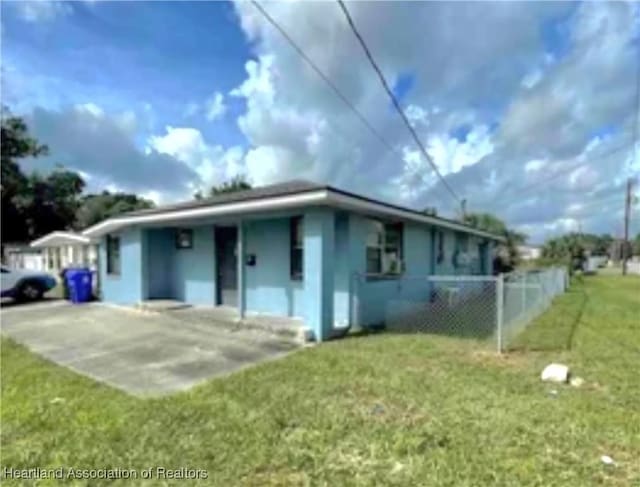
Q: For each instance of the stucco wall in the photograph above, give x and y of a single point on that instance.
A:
(269, 287)
(128, 287)
(195, 269)
(376, 297)
(376, 294)
(332, 292)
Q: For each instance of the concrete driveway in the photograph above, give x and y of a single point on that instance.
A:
(139, 352)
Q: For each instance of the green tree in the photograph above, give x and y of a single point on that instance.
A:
(16, 143)
(507, 252)
(94, 208)
(237, 183)
(570, 249)
(50, 202)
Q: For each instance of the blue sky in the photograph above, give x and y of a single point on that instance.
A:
(125, 55)
(164, 98)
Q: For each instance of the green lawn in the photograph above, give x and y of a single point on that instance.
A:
(380, 409)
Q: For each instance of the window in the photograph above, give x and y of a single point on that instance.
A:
(440, 243)
(460, 256)
(113, 255)
(184, 238)
(296, 248)
(384, 248)
(463, 242)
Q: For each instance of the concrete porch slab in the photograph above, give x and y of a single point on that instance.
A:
(140, 353)
(225, 315)
(162, 305)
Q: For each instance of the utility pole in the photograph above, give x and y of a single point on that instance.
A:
(627, 215)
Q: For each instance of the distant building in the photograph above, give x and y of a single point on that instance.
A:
(63, 249)
(616, 250)
(529, 252)
(22, 256)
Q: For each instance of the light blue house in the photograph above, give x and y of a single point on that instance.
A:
(292, 249)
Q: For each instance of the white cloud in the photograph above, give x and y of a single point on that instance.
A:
(42, 10)
(102, 147)
(90, 108)
(535, 165)
(213, 164)
(287, 102)
(449, 154)
(215, 107)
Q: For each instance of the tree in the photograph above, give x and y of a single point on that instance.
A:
(430, 211)
(50, 202)
(94, 208)
(16, 143)
(237, 183)
(568, 249)
(636, 245)
(508, 252)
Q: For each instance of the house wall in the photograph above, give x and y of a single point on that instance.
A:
(269, 287)
(194, 277)
(377, 293)
(130, 286)
(378, 297)
(333, 292)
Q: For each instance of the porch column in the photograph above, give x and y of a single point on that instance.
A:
(318, 267)
(241, 270)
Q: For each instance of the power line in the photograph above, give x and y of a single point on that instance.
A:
(396, 104)
(636, 127)
(323, 76)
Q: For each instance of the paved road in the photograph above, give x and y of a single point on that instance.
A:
(140, 352)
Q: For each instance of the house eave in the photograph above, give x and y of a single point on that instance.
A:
(328, 197)
(266, 204)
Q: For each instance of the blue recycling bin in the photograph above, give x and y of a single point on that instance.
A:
(79, 284)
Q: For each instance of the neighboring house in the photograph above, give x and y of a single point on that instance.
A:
(22, 256)
(291, 249)
(529, 252)
(65, 249)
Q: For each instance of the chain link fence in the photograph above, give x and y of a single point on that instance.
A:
(491, 309)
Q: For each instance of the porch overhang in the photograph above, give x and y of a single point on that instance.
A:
(59, 238)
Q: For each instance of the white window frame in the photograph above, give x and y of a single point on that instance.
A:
(382, 245)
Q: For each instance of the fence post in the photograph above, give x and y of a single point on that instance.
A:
(354, 300)
(524, 293)
(499, 308)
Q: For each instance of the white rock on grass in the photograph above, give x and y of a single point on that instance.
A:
(607, 460)
(555, 373)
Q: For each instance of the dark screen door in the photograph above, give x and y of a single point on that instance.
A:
(227, 265)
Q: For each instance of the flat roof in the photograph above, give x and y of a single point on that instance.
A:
(285, 195)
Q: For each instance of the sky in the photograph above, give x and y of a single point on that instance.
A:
(528, 109)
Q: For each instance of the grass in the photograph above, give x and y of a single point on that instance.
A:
(391, 409)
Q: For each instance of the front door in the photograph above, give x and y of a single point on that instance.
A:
(227, 265)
